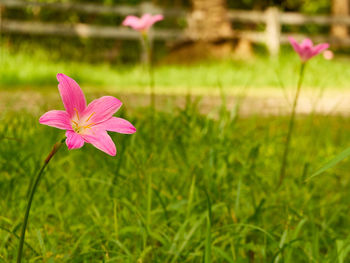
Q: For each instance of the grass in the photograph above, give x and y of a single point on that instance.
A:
(213, 193)
(36, 68)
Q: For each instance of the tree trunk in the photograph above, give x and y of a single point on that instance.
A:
(208, 21)
(209, 32)
(341, 8)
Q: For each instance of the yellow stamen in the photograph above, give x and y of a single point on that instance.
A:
(76, 111)
(90, 116)
(75, 123)
(88, 126)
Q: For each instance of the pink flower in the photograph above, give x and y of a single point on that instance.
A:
(306, 49)
(142, 24)
(86, 123)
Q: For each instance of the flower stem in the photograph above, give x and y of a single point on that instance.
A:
(149, 65)
(54, 150)
(149, 199)
(291, 126)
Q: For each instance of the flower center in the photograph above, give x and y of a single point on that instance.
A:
(80, 125)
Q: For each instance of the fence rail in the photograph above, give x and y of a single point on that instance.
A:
(83, 30)
(272, 18)
(90, 8)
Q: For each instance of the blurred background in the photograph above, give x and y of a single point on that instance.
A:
(86, 38)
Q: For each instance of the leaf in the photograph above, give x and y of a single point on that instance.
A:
(332, 163)
(208, 239)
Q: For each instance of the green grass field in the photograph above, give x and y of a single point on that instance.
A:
(193, 189)
(186, 187)
(37, 68)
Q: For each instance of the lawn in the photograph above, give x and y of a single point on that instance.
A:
(192, 184)
(37, 68)
(195, 189)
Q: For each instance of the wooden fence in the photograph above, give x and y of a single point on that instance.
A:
(272, 18)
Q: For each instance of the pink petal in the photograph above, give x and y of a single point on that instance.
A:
(102, 109)
(145, 21)
(56, 118)
(306, 54)
(148, 20)
(319, 48)
(119, 125)
(71, 94)
(156, 18)
(101, 140)
(131, 21)
(74, 140)
(146, 17)
(294, 44)
(307, 43)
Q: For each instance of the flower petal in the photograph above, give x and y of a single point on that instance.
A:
(294, 44)
(102, 109)
(131, 21)
(155, 19)
(74, 140)
(307, 43)
(101, 140)
(119, 125)
(56, 118)
(71, 94)
(145, 22)
(319, 48)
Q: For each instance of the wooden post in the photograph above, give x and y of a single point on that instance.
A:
(273, 30)
(340, 8)
(1, 7)
(0, 20)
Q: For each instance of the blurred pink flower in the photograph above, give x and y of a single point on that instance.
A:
(306, 49)
(328, 54)
(142, 24)
(86, 123)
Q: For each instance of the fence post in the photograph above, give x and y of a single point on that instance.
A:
(1, 48)
(0, 19)
(273, 30)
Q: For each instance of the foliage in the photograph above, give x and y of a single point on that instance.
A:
(93, 208)
(38, 66)
(122, 50)
(309, 6)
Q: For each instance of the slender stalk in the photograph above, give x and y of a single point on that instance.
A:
(149, 199)
(291, 126)
(54, 150)
(149, 65)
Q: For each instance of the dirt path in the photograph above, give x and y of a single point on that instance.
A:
(263, 101)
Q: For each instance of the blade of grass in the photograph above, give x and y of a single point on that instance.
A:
(331, 163)
(207, 253)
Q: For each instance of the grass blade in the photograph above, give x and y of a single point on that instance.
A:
(207, 253)
(332, 163)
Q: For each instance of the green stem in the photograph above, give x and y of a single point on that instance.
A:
(291, 126)
(149, 64)
(54, 150)
(149, 200)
